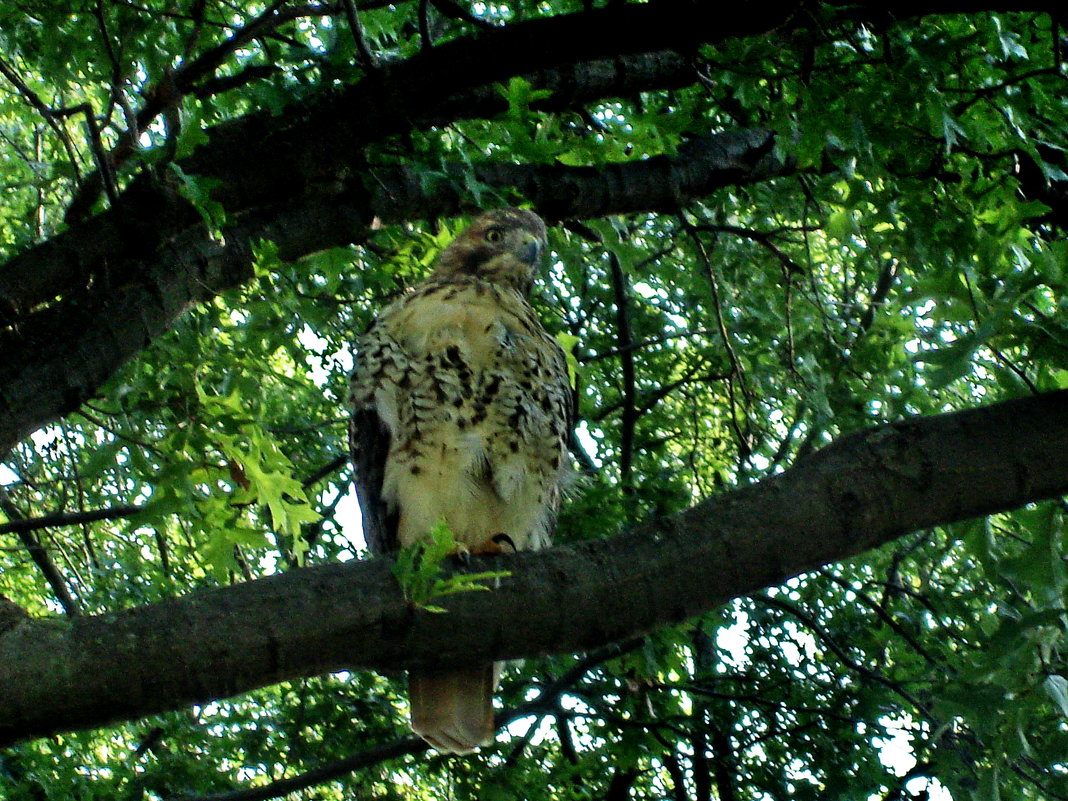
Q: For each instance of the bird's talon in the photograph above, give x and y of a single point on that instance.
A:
(503, 539)
(497, 544)
(462, 554)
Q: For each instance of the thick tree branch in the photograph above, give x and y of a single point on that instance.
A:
(124, 276)
(59, 356)
(866, 489)
(660, 183)
(148, 214)
(324, 138)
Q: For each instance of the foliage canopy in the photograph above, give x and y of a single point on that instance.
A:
(879, 234)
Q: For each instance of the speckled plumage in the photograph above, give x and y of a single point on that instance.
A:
(461, 410)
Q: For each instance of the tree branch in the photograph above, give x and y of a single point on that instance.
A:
(68, 519)
(835, 648)
(403, 746)
(865, 489)
(148, 214)
(61, 354)
(619, 49)
(41, 558)
(414, 745)
(323, 138)
(168, 91)
(356, 28)
(624, 340)
(46, 113)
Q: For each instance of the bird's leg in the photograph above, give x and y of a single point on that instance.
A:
(497, 544)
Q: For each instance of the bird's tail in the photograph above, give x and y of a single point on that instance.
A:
(453, 709)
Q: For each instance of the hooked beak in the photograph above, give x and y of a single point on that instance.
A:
(530, 250)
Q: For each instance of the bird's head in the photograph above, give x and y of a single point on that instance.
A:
(503, 246)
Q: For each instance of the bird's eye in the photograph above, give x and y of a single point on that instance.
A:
(494, 235)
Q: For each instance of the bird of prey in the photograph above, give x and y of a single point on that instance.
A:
(461, 411)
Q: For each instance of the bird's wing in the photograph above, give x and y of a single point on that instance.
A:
(369, 444)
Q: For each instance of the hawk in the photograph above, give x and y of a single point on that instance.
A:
(461, 411)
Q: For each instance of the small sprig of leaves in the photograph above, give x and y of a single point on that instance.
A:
(418, 570)
(197, 190)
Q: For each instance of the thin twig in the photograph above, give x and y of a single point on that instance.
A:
(625, 343)
(35, 102)
(998, 355)
(173, 85)
(353, 17)
(823, 636)
(332, 466)
(405, 746)
(113, 58)
(743, 438)
(23, 524)
(883, 615)
(987, 91)
(43, 561)
(670, 335)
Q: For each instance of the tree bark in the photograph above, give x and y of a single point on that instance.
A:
(58, 357)
(124, 276)
(863, 490)
(619, 50)
(322, 139)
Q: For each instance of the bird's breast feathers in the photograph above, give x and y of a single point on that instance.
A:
(476, 397)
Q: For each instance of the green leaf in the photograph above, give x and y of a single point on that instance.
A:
(418, 569)
(567, 343)
(192, 134)
(197, 190)
(520, 96)
(840, 224)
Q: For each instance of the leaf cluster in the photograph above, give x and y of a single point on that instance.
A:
(418, 569)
